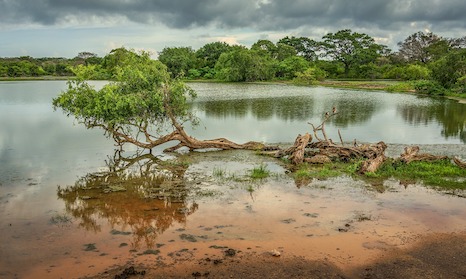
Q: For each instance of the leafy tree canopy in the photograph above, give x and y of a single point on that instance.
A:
(141, 94)
(143, 105)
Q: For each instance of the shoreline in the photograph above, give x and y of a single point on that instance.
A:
(377, 85)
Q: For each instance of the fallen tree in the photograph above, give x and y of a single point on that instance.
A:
(142, 105)
(321, 149)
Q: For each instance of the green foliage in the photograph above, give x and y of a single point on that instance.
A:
(310, 76)
(351, 48)
(290, 67)
(449, 69)
(140, 93)
(439, 173)
(242, 64)
(260, 172)
(179, 60)
(401, 87)
(429, 87)
(209, 53)
(303, 46)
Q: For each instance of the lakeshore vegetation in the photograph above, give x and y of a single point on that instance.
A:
(424, 63)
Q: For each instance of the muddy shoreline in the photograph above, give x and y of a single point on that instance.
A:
(220, 223)
(435, 256)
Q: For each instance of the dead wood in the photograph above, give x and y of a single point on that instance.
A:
(459, 163)
(411, 153)
(372, 165)
(298, 149)
(318, 159)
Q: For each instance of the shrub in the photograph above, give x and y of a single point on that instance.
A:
(310, 76)
(429, 87)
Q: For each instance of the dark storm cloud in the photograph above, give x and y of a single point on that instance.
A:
(384, 14)
(262, 15)
(173, 13)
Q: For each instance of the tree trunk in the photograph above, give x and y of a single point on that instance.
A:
(297, 150)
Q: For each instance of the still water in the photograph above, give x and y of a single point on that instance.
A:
(63, 212)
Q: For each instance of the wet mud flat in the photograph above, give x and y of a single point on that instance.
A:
(211, 219)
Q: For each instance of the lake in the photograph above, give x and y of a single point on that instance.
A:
(69, 202)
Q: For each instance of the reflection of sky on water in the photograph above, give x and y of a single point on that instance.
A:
(365, 116)
(36, 140)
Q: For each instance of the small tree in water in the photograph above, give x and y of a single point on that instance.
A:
(142, 105)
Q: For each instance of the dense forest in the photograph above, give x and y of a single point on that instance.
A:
(434, 64)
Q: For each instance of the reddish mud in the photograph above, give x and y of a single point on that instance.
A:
(226, 226)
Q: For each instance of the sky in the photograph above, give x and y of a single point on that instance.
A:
(64, 28)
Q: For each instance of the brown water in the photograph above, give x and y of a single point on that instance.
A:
(63, 214)
(198, 210)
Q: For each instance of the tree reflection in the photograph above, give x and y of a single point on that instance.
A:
(141, 195)
(450, 114)
(290, 109)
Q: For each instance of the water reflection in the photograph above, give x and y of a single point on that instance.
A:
(451, 114)
(138, 195)
(287, 109)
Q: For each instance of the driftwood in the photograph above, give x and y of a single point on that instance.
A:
(411, 154)
(323, 150)
(297, 151)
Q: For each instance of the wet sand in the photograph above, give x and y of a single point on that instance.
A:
(225, 226)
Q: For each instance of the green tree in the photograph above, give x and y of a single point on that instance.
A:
(242, 64)
(450, 70)
(289, 67)
(265, 46)
(179, 60)
(310, 76)
(143, 105)
(209, 53)
(351, 48)
(284, 52)
(303, 46)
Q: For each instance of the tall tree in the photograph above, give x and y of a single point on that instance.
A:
(179, 60)
(304, 47)
(209, 53)
(351, 48)
(419, 47)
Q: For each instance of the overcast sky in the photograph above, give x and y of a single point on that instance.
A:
(46, 28)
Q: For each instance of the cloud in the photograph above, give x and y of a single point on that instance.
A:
(270, 14)
(237, 21)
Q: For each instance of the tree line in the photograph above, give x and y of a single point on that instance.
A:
(437, 64)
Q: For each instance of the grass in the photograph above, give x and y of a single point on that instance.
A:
(442, 174)
(260, 172)
(325, 171)
(219, 172)
(388, 85)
